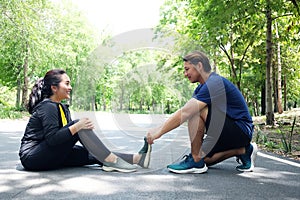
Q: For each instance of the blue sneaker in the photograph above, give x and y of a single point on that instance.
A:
(248, 159)
(188, 165)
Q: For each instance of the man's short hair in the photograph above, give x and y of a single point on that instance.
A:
(196, 57)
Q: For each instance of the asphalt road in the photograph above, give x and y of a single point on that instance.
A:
(273, 177)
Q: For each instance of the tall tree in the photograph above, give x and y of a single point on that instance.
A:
(38, 35)
(279, 74)
(269, 104)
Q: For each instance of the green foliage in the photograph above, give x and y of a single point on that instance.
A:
(6, 96)
(261, 137)
(233, 34)
(137, 81)
(287, 138)
(49, 34)
(42, 35)
(11, 113)
(271, 145)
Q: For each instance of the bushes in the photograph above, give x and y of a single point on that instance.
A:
(11, 113)
(284, 137)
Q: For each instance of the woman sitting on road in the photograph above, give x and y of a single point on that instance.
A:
(50, 136)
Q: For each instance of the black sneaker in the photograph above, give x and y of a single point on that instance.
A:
(146, 154)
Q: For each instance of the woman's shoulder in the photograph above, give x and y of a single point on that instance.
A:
(46, 105)
(49, 102)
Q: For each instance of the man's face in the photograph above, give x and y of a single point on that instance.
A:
(191, 72)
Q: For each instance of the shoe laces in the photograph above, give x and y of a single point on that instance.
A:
(238, 159)
(186, 158)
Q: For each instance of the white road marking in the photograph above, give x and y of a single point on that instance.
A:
(279, 159)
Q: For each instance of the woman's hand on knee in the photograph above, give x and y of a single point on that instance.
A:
(84, 123)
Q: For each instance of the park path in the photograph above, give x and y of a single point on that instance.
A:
(272, 178)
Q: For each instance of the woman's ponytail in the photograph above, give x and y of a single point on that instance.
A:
(36, 95)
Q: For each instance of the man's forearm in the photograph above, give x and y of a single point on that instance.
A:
(173, 122)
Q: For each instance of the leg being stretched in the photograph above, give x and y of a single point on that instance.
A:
(142, 158)
(110, 161)
(80, 156)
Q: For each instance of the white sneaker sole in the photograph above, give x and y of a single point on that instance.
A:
(110, 169)
(253, 155)
(190, 171)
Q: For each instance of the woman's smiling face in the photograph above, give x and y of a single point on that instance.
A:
(63, 90)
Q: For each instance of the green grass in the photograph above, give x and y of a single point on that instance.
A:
(283, 138)
(12, 113)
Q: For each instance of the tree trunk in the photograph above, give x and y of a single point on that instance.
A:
(104, 104)
(285, 96)
(274, 86)
(214, 66)
(269, 104)
(232, 64)
(25, 84)
(256, 107)
(96, 106)
(141, 104)
(279, 90)
(93, 103)
(263, 99)
(19, 86)
(103, 98)
(128, 107)
(121, 98)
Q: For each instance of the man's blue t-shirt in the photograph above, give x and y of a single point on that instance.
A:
(223, 97)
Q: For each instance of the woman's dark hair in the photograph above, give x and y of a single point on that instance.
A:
(42, 88)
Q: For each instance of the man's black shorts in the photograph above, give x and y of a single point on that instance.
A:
(231, 137)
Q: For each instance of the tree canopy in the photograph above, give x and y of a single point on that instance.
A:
(253, 43)
(235, 36)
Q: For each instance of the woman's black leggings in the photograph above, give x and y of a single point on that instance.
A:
(95, 146)
(93, 151)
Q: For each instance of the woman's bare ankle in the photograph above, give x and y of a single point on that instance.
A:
(136, 158)
(112, 158)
